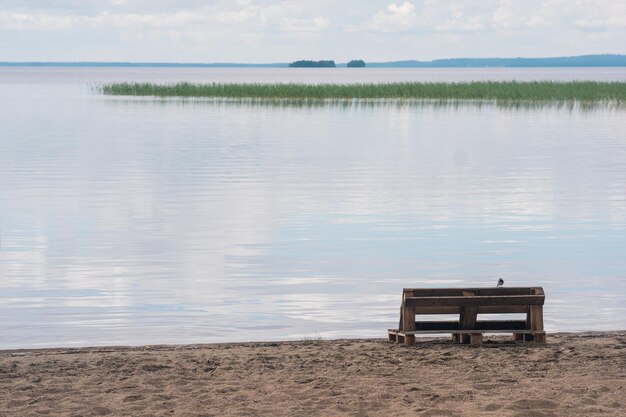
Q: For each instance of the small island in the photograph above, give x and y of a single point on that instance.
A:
(356, 63)
(313, 64)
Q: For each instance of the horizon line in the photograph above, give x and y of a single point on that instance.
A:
(594, 60)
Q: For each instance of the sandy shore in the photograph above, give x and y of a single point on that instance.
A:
(573, 375)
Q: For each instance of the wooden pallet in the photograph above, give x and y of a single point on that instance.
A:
(475, 339)
(468, 303)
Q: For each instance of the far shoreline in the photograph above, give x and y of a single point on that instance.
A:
(580, 61)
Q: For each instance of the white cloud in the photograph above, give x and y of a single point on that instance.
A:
(305, 25)
(53, 22)
(613, 22)
(33, 21)
(534, 14)
(395, 17)
(433, 15)
(506, 15)
(461, 25)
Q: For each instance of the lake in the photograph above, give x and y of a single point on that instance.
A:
(134, 221)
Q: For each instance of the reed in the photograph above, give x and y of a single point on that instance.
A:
(588, 91)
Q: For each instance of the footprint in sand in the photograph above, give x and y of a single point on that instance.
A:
(492, 407)
(536, 413)
(535, 404)
(440, 413)
(486, 387)
(534, 408)
(132, 398)
(101, 411)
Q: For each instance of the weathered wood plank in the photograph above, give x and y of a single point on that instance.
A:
(480, 325)
(505, 331)
(504, 309)
(476, 339)
(408, 323)
(475, 301)
(467, 319)
(536, 317)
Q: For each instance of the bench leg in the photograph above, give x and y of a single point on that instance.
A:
(540, 338)
(467, 320)
(524, 337)
(476, 339)
(408, 324)
(535, 314)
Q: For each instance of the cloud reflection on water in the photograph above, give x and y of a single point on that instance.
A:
(143, 221)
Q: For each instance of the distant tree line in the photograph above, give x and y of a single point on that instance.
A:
(356, 63)
(312, 64)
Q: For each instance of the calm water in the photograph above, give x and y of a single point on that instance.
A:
(131, 221)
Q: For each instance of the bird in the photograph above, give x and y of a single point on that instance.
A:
(500, 283)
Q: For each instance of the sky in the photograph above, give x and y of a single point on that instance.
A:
(265, 31)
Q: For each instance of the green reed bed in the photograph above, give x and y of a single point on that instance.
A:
(480, 90)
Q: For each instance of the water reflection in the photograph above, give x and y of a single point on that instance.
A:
(171, 221)
(514, 105)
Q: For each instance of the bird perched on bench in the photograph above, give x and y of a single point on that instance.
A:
(500, 283)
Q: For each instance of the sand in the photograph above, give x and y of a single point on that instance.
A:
(573, 375)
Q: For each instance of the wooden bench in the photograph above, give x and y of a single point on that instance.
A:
(468, 303)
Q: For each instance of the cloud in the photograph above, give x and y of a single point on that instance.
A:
(587, 15)
(496, 16)
(305, 25)
(54, 22)
(432, 16)
(506, 16)
(614, 22)
(461, 25)
(395, 17)
(34, 21)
